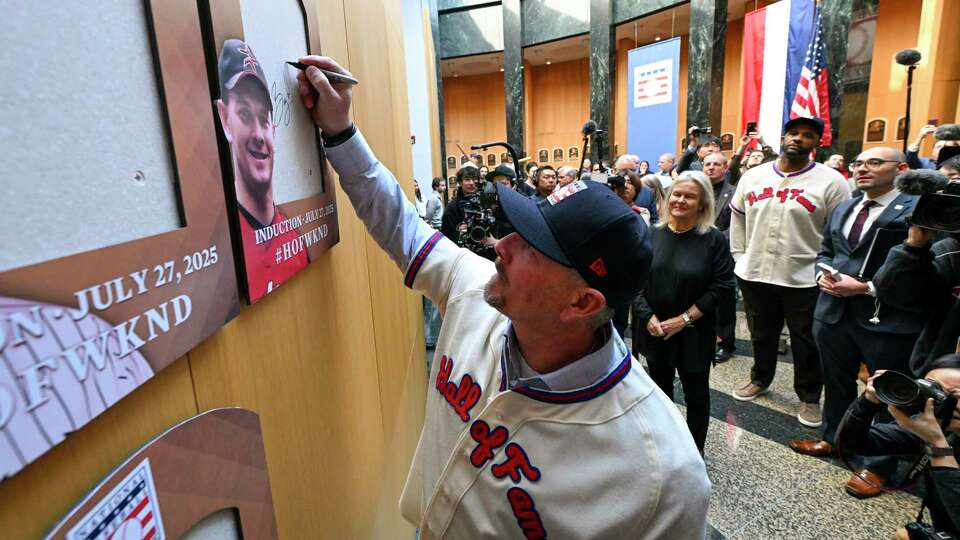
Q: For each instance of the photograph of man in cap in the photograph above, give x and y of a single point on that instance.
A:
(272, 249)
(533, 399)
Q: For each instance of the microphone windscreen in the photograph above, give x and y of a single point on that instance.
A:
(908, 57)
(589, 127)
(948, 132)
(921, 181)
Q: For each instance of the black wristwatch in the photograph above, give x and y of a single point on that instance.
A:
(937, 451)
(338, 138)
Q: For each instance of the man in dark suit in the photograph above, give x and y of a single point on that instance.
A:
(850, 324)
(715, 167)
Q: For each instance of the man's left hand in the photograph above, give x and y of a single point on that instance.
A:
(923, 425)
(846, 286)
(672, 326)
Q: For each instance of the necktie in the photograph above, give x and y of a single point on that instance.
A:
(857, 229)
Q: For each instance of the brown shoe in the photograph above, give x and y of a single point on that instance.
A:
(811, 447)
(864, 484)
(749, 392)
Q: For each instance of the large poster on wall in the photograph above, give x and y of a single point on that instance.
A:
(117, 257)
(285, 213)
(652, 99)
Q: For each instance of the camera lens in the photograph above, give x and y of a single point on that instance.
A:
(896, 389)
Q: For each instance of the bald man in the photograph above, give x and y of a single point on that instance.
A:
(848, 326)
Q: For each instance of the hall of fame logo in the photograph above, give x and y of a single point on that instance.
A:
(129, 512)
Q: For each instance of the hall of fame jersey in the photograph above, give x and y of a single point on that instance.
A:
(777, 221)
(610, 460)
(274, 259)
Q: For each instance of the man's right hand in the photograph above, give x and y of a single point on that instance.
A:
(328, 102)
(925, 132)
(918, 236)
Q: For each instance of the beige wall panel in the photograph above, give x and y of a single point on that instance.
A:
(474, 111)
(32, 501)
(732, 84)
(560, 104)
(897, 25)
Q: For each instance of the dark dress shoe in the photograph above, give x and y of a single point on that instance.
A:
(864, 484)
(722, 355)
(811, 447)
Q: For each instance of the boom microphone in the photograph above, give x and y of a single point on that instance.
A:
(921, 181)
(589, 128)
(908, 57)
(947, 132)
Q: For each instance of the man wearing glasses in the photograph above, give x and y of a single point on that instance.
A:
(850, 325)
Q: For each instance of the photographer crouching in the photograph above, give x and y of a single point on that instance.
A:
(927, 423)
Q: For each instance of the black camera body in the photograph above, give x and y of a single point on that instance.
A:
(700, 131)
(922, 531)
(910, 395)
(939, 211)
(480, 217)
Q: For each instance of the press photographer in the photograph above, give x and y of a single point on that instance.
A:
(923, 276)
(927, 423)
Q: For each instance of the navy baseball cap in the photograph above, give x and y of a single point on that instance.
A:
(236, 62)
(815, 123)
(587, 227)
(501, 170)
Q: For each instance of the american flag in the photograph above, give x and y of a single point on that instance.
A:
(812, 99)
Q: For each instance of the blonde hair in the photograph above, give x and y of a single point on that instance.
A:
(705, 213)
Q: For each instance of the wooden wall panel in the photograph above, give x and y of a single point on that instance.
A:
(897, 25)
(560, 104)
(332, 362)
(33, 500)
(474, 111)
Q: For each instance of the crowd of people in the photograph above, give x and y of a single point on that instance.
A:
(804, 244)
(536, 397)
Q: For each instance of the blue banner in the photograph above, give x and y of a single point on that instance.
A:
(652, 100)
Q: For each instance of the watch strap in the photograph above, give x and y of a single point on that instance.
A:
(338, 138)
(938, 451)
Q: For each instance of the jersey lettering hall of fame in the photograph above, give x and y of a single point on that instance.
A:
(129, 512)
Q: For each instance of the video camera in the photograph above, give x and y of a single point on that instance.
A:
(939, 205)
(480, 211)
(910, 395)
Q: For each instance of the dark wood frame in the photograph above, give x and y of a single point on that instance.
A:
(222, 20)
(210, 462)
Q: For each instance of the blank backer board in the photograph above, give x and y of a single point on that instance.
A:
(89, 163)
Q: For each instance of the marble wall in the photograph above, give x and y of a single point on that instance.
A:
(547, 21)
(602, 63)
(474, 31)
(453, 4)
(708, 37)
(513, 73)
(624, 10)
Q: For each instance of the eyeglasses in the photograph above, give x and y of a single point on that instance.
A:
(872, 163)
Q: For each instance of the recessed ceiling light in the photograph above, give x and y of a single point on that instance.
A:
(548, 62)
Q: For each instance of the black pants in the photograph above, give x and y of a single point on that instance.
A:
(767, 307)
(842, 347)
(727, 319)
(696, 391)
(621, 319)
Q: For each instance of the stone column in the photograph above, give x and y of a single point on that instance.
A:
(602, 63)
(513, 74)
(708, 38)
(836, 17)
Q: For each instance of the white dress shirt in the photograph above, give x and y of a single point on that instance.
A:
(880, 203)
